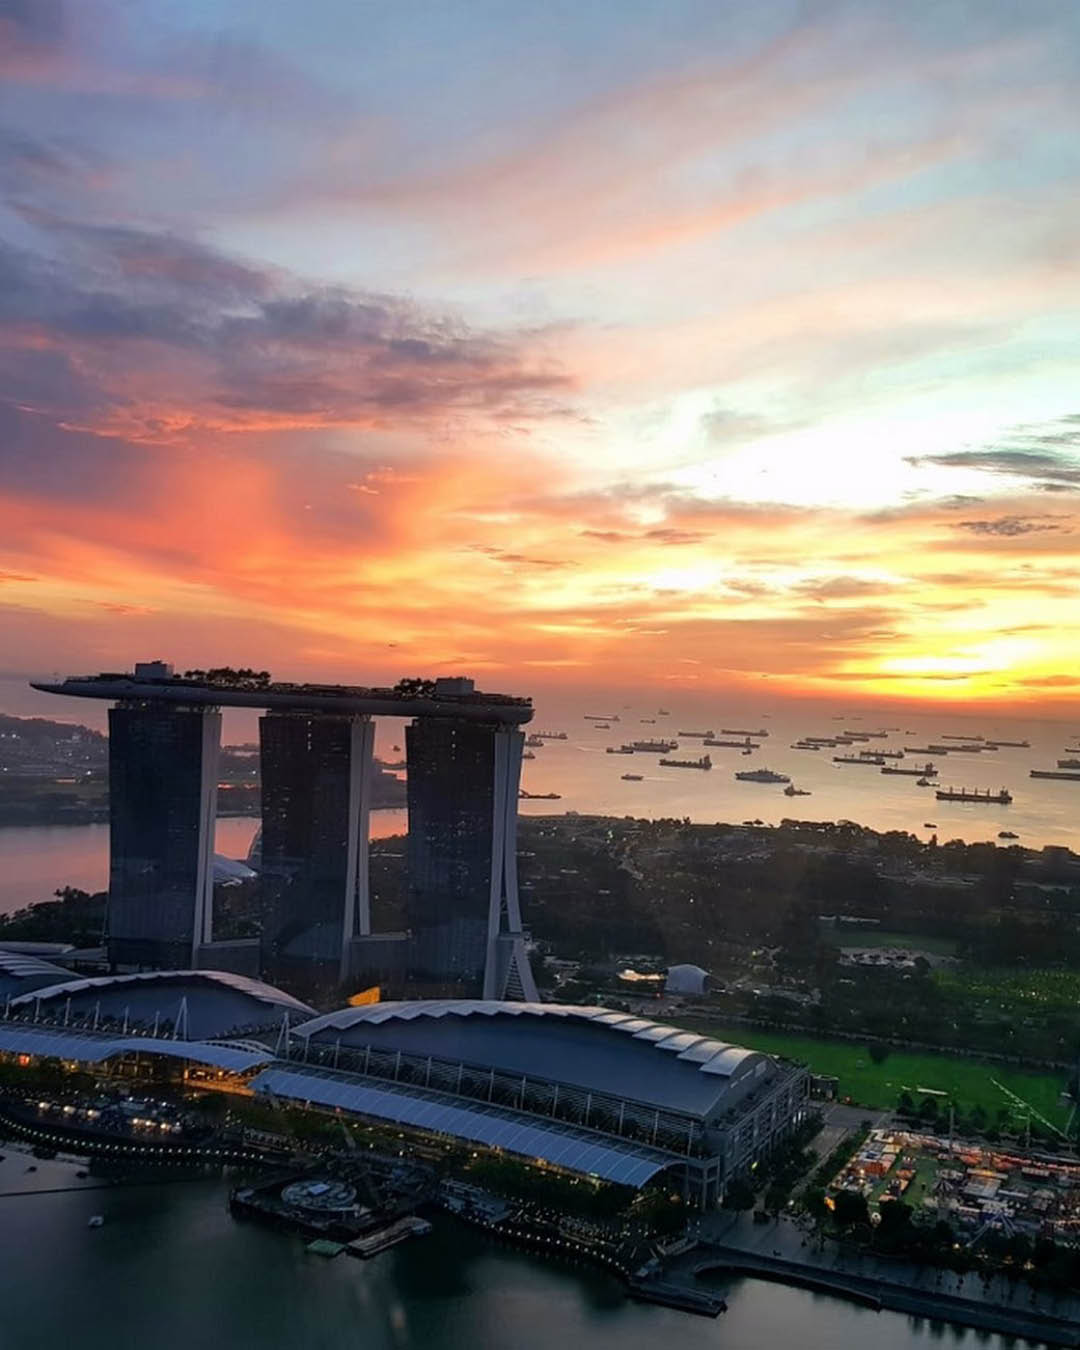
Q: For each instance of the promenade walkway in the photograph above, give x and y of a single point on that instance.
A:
(785, 1252)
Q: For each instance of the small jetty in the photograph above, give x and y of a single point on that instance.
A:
(382, 1239)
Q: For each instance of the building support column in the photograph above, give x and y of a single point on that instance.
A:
(203, 925)
(506, 971)
(357, 915)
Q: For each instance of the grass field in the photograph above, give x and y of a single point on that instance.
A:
(879, 1085)
(1014, 990)
(867, 938)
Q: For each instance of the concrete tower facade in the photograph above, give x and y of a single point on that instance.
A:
(163, 773)
(316, 797)
(463, 911)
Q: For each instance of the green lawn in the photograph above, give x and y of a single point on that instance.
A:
(879, 1085)
(874, 937)
(1009, 989)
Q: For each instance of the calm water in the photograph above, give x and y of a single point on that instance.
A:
(171, 1270)
(34, 861)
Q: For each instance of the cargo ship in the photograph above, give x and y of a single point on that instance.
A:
(762, 776)
(747, 744)
(1056, 773)
(619, 750)
(864, 758)
(805, 745)
(539, 796)
(927, 771)
(654, 747)
(1000, 798)
(697, 735)
(550, 735)
(600, 717)
(960, 736)
(884, 754)
(632, 777)
(703, 763)
(1011, 745)
(738, 731)
(1068, 763)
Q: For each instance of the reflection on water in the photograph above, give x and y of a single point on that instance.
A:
(170, 1269)
(37, 859)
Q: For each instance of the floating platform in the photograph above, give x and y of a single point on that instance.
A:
(382, 1239)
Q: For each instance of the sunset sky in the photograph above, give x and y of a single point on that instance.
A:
(575, 343)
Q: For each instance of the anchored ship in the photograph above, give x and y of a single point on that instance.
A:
(927, 771)
(654, 747)
(746, 744)
(703, 763)
(1055, 773)
(1000, 798)
(738, 731)
(762, 776)
(632, 777)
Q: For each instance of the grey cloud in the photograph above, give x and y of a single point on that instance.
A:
(1011, 527)
(263, 340)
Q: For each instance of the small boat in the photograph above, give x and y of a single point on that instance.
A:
(929, 825)
(923, 782)
(792, 791)
(632, 777)
(96, 1221)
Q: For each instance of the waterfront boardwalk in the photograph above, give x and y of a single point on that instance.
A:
(785, 1252)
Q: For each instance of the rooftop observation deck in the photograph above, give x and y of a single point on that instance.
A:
(451, 699)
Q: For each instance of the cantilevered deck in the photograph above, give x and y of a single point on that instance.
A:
(344, 699)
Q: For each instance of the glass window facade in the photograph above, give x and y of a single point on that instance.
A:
(162, 804)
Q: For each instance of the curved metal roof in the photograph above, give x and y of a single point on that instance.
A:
(587, 1049)
(87, 1048)
(20, 966)
(241, 984)
(710, 1056)
(574, 1150)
